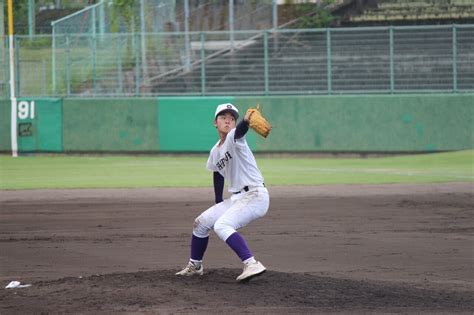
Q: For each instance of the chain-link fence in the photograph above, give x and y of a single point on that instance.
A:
(151, 16)
(269, 62)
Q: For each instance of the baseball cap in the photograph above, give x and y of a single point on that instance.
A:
(227, 107)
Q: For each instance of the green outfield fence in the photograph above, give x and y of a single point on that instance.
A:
(369, 60)
(313, 123)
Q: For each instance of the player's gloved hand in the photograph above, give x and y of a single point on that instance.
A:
(257, 122)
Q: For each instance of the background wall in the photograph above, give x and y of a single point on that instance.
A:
(5, 111)
(110, 125)
(360, 123)
(378, 123)
(39, 125)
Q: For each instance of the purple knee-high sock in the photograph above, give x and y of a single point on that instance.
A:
(198, 247)
(238, 244)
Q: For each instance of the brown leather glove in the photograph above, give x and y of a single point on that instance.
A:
(257, 122)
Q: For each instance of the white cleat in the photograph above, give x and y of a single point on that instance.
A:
(191, 270)
(251, 271)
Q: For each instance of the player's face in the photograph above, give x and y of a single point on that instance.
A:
(225, 122)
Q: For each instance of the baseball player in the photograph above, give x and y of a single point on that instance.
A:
(230, 159)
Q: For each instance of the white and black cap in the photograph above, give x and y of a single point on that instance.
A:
(227, 107)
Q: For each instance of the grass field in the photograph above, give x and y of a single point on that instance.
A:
(145, 171)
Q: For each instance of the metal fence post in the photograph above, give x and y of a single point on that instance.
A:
(16, 44)
(119, 63)
(392, 70)
(6, 70)
(203, 66)
(231, 24)
(31, 18)
(68, 67)
(94, 64)
(43, 72)
(455, 59)
(187, 48)
(143, 38)
(53, 61)
(137, 65)
(274, 14)
(101, 18)
(94, 55)
(265, 60)
(329, 66)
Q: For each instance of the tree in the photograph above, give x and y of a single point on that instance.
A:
(122, 9)
(20, 12)
(315, 15)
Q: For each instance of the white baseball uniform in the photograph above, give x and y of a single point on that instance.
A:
(249, 200)
(232, 161)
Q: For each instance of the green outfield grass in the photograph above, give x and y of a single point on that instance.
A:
(35, 172)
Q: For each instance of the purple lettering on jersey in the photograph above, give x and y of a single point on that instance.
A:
(221, 163)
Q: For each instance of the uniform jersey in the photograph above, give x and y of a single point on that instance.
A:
(235, 162)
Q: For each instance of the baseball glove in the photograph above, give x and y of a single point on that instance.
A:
(257, 122)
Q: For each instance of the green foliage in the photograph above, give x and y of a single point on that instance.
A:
(122, 9)
(20, 12)
(312, 16)
(36, 43)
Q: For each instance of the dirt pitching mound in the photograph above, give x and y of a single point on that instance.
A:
(218, 292)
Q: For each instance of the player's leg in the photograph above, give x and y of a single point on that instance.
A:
(203, 224)
(245, 209)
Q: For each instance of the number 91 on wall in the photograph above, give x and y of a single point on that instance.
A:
(26, 110)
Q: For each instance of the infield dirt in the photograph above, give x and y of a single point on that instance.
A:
(328, 249)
